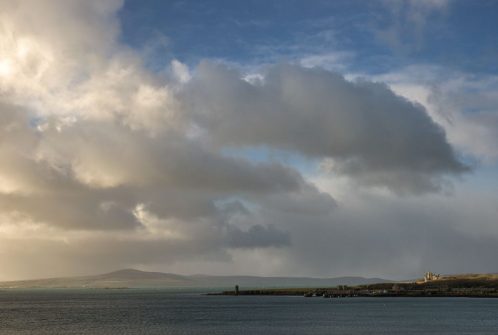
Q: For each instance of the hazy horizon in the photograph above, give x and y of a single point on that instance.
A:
(264, 138)
(186, 275)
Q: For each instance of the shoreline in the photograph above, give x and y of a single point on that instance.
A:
(437, 288)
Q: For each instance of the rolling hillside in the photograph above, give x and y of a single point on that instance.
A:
(131, 278)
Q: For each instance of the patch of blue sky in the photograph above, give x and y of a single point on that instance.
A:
(484, 180)
(253, 31)
(263, 154)
(36, 121)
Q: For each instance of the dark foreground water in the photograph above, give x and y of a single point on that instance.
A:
(160, 312)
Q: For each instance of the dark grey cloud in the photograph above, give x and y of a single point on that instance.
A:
(371, 134)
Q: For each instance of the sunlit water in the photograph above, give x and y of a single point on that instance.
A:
(162, 312)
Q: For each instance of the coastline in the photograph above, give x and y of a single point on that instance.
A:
(437, 288)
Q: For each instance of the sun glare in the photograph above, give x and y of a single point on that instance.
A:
(6, 68)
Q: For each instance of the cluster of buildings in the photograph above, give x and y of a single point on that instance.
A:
(429, 276)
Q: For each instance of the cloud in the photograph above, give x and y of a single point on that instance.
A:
(93, 143)
(64, 176)
(332, 61)
(463, 104)
(466, 107)
(378, 235)
(372, 134)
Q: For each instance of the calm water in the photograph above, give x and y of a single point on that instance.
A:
(160, 312)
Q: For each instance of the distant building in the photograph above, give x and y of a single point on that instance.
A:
(429, 276)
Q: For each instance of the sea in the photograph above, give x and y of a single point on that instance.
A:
(146, 311)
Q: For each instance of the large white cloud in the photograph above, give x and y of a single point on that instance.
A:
(97, 148)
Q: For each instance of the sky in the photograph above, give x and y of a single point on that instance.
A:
(273, 138)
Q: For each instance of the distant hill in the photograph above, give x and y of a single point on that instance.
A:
(131, 278)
